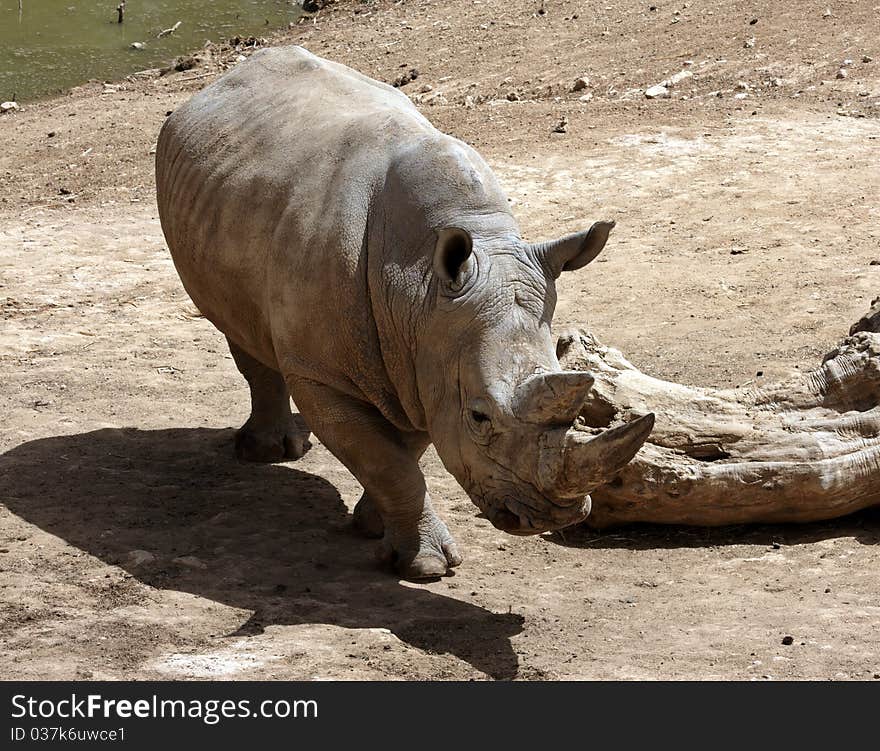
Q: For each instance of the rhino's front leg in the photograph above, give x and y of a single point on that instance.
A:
(366, 517)
(386, 462)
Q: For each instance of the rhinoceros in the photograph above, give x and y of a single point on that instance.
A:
(367, 265)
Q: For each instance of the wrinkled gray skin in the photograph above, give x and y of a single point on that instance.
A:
(368, 265)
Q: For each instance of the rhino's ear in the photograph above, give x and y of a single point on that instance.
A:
(451, 254)
(573, 251)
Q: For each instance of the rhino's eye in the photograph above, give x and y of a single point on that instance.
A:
(478, 416)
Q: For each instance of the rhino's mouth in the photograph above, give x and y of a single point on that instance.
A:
(517, 518)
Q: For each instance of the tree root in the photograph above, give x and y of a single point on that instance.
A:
(802, 450)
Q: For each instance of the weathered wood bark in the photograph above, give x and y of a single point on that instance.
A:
(802, 450)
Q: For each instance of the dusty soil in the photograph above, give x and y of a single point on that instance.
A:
(132, 544)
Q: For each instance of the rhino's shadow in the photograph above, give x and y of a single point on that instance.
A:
(275, 540)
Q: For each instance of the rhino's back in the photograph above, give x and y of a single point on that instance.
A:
(264, 181)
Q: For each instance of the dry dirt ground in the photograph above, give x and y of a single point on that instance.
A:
(132, 544)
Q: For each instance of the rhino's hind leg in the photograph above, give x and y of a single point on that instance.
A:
(271, 433)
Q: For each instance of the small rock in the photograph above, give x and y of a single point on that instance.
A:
(190, 561)
(826, 13)
(404, 78)
(240, 58)
(753, 22)
(50, 134)
(657, 92)
(846, 63)
(677, 78)
(138, 46)
(776, 83)
(561, 126)
(586, 97)
(8, 107)
(749, 43)
(875, 262)
(867, 59)
(741, 95)
(742, 86)
(580, 84)
(426, 88)
(187, 62)
(140, 557)
(512, 96)
(841, 73)
(788, 640)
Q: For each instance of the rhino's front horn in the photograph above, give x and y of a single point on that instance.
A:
(586, 462)
(552, 398)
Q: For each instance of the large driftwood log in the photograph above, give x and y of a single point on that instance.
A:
(803, 450)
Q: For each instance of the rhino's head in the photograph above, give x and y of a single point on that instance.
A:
(500, 410)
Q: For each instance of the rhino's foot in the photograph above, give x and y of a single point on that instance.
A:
(279, 444)
(366, 518)
(429, 553)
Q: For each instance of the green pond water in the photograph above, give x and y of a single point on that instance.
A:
(52, 45)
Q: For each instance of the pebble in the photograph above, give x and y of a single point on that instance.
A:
(841, 73)
(426, 88)
(867, 59)
(657, 92)
(826, 13)
(138, 46)
(140, 557)
(846, 63)
(404, 78)
(677, 78)
(190, 561)
(749, 43)
(742, 86)
(8, 107)
(512, 96)
(788, 640)
(580, 84)
(561, 126)
(586, 97)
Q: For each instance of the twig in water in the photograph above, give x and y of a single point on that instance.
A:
(166, 32)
